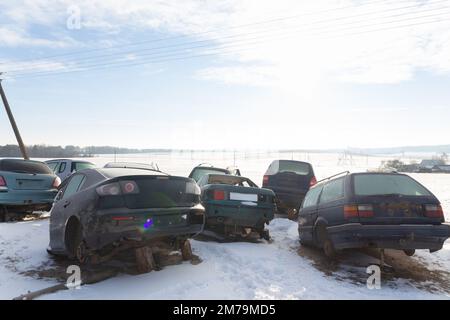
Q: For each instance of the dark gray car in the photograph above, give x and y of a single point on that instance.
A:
(100, 211)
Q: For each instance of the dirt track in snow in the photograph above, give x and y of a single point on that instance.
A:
(399, 266)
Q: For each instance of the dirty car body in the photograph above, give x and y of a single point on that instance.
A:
(203, 169)
(26, 186)
(290, 180)
(379, 210)
(235, 206)
(102, 210)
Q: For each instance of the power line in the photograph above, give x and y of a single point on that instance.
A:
(241, 26)
(208, 44)
(116, 65)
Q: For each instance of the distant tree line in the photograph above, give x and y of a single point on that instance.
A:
(45, 151)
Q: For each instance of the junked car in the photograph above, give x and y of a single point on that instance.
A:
(235, 206)
(63, 168)
(203, 169)
(290, 180)
(377, 210)
(100, 212)
(25, 186)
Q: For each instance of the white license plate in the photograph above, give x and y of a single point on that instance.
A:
(243, 196)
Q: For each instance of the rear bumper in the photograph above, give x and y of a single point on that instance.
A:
(355, 235)
(27, 197)
(238, 215)
(107, 231)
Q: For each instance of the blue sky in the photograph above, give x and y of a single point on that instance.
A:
(307, 82)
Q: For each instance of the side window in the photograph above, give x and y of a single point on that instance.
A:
(52, 165)
(333, 190)
(311, 197)
(74, 185)
(62, 167)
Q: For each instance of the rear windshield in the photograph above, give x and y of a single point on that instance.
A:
(200, 172)
(77, 166)
(156, 193)
(24, 166)
(301, 168)
(386, 184)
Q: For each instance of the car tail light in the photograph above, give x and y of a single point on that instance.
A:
(2, 182)
(313, 181)
(265, 180)
(56, 182)
(118, 188)
(355, 211)
(365, 210)
(124, 218)
(350, 211)
(434, 211)
(110, 189)
(219, 195)
(129, 187)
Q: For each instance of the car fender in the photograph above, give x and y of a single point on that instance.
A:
(320, 222)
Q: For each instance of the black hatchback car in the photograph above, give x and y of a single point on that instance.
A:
(380, 210)
(98, 212)
(290, 180)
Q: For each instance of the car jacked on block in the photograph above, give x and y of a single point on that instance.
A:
(25, 186)
(290, 180)
(99, 212)
(235, 207)
(378, 210)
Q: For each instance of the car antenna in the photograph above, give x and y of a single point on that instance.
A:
(335, 175)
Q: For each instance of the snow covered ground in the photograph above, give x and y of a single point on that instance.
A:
(242, 270)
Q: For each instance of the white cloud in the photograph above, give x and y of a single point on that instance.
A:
(298, 53)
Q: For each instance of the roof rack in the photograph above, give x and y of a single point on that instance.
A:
(333, 176)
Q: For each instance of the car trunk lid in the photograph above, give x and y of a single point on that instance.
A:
(23, 181)
(396, 209)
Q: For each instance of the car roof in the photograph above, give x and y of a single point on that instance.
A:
(211, 168)
(349, 174)
(62, 159)
(118, 172)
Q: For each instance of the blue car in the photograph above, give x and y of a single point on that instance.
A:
(378, 210)
(26, 186)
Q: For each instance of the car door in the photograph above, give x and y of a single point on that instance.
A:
(62, 209)
(308, 213)
(331, 202)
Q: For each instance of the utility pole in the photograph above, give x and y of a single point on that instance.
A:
(23, 150)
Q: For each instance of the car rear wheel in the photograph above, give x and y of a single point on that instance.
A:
(325, 242)
(75, 246)
(2, 214)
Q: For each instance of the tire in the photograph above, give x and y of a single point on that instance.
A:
(409, 252)
(324, 242)
(2, 214)
(186, 250)
(73, 240)
(329, 250)
(265, 235)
